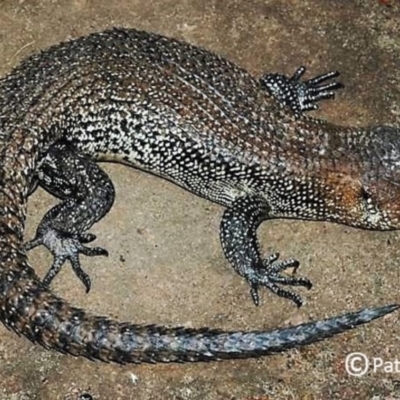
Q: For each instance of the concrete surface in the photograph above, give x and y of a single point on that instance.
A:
(166, 265)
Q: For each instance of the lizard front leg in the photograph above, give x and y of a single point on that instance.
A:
(301, 95)
(87, 194)
(238, 233)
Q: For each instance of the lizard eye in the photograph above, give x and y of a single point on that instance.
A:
(364, 194)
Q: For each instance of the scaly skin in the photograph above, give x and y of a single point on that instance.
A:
(203, 123)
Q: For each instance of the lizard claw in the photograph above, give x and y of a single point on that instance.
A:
(269, 275)
(300, 95)
(65, 248)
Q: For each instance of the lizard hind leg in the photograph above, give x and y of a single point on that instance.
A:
(239, 241)
(86, 194)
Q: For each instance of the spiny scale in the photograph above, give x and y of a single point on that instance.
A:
(187, 115)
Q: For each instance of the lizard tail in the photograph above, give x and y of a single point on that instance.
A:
(48, 320)
(32, 310)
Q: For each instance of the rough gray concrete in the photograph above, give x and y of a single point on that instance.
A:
(166, 265)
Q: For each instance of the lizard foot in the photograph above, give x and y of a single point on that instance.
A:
(300, 95)
(269, 275)
(66, 248)
(238, 233)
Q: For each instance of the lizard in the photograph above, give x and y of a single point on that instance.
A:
(192, 117)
